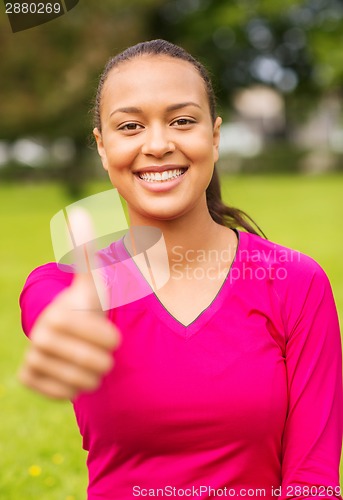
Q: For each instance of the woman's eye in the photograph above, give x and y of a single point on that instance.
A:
(130, 126)
(183, 121)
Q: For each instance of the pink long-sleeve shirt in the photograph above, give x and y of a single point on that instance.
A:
(247, 397)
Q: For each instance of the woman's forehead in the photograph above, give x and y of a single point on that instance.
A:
(154, 74)
(154, 70)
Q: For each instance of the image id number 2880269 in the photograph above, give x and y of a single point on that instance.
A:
(33, 8)
(294, 491)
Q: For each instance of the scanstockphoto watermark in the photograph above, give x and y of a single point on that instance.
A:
(25, 15)
(248, 265)
(198, 491)
(289, 491)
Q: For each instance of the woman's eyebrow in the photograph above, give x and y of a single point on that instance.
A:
(181, 105)
(129, 109)
(173, 107)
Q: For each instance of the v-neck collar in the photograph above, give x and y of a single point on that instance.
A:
(157, 308)
(187, 331)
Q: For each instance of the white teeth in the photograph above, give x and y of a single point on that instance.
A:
(158, 177)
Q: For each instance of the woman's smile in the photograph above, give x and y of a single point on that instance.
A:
(160, 179)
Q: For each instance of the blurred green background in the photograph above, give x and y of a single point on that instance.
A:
(277, 67)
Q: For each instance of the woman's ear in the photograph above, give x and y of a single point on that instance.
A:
(216, 137)
(100, 147)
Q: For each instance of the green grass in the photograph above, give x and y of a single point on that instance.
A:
(305, 213)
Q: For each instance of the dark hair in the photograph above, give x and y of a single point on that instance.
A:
(222, 214)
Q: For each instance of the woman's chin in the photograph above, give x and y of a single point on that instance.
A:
(158, 212)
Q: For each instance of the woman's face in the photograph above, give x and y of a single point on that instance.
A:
(158, 142)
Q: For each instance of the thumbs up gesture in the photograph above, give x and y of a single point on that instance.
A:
(72, 341)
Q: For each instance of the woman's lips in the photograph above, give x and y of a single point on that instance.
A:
(160, 185)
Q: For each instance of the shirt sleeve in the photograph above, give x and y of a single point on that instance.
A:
(41, 287)
(312, 438)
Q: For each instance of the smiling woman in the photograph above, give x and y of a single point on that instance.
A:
(155, 132)
(225, 380)
(180, 73)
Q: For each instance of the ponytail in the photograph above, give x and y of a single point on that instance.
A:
(228, 216)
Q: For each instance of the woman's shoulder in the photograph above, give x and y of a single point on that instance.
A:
(288, 262)
(293, 280)
(42, 285)
(50, 271)
(64, 272)
(46, 280)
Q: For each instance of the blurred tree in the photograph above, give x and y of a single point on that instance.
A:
(49, 73)
(292, 45)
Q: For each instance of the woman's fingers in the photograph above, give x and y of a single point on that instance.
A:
(45, 385)
(81, 353)
(86, 325)
(63, 372)
(65, 367)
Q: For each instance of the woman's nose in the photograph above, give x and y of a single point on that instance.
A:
(157, 142)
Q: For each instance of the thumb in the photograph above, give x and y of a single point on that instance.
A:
(92, 294)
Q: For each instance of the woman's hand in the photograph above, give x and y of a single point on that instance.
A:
(72, 342)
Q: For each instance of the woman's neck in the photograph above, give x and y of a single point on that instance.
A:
(195, 231)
